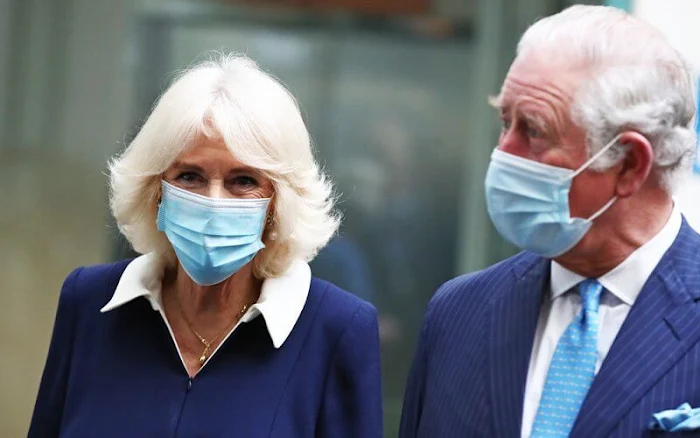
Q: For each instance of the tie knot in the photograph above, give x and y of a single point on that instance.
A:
(590, 291)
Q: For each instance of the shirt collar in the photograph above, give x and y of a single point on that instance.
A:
(280, 303)
(627, 279)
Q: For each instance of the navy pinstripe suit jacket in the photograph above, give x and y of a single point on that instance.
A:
(468, 376)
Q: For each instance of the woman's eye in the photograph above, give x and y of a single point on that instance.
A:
(245, 181)
(188, 177)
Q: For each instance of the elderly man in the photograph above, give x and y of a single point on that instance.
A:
(595, 326)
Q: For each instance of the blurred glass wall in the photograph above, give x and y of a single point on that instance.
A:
(395, 105)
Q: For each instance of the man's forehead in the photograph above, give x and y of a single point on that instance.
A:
(535, 79)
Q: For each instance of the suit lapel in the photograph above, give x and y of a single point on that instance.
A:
(660, 328)
(512, 330)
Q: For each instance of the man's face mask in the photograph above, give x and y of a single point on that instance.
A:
(528, 203)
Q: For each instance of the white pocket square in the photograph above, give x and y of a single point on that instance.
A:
(682, 419)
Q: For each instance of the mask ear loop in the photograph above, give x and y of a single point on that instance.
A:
(590, 161)
(602, 210)
(595, 157)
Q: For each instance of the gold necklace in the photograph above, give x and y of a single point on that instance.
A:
(207, 344)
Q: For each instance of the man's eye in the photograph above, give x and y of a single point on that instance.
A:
(532, 130)
(533, 133)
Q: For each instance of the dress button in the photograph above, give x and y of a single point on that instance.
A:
(189, 384)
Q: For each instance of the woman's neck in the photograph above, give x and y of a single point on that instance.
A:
(211, 309)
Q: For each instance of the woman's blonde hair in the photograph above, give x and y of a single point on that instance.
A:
(228, 98)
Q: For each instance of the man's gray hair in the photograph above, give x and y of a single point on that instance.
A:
(637, 82)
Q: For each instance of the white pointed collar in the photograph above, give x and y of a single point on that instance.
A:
(280, 303)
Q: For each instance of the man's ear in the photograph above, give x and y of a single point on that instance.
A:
(635, 167)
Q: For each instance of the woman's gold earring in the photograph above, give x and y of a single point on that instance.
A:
(271, 227)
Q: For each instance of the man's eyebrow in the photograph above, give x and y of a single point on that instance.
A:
(532, 119)
(496, 102)
(536, 121)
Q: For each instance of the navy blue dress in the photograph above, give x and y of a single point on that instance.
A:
(118, 374)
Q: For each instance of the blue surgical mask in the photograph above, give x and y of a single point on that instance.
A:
(213, 238)
(529, 203)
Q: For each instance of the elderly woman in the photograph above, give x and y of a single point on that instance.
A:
(218, 329)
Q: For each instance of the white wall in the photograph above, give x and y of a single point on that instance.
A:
(679, 19)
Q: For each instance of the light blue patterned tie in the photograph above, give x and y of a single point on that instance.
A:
(572, 369)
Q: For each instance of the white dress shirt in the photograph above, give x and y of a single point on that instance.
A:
(622, 286)
(281, 298)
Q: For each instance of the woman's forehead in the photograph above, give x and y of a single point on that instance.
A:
(206, 152)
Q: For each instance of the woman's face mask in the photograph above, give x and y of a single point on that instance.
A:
(213, 238)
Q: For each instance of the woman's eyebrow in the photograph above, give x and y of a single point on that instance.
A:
(183, 165)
